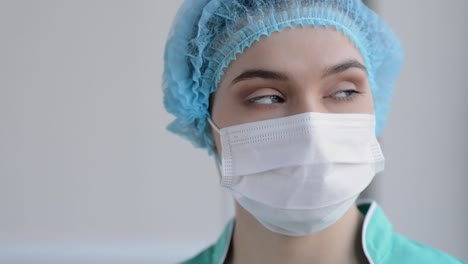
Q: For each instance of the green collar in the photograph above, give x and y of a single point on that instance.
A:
(221, 247)
(377, 232)
(380, 244)
(376, 235)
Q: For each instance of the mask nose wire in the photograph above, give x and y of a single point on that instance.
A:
(213, 125)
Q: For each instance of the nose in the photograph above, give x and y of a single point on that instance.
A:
(307, 101)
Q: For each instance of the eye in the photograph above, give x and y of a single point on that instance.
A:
(266, 96)
(344, 91)
(266, 99)
(345, 95)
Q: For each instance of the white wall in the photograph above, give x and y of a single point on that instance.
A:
(424, 189)
(88, 173)
(87, 168)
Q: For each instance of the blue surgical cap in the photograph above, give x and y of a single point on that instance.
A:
(209, 34)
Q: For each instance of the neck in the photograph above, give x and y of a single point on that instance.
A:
(339, 243)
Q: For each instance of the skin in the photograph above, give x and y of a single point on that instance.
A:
(291, 72)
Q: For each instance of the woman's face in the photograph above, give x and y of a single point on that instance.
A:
(291, 72)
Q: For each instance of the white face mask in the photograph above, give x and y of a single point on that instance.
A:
(299, 174)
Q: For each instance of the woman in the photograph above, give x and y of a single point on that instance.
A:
(289, 96)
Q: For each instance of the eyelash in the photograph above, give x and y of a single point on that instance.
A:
(272, 96)
(350, 95)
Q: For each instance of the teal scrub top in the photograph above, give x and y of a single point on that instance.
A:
(381, 244)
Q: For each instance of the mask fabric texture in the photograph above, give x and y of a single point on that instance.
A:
(299, 174)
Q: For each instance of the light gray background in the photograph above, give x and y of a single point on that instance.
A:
(88, 173)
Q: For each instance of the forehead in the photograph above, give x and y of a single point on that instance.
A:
(299, 50)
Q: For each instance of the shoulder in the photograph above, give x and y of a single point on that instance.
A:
(205, 256)
(405, 250)
(382, 245)
(217, 252)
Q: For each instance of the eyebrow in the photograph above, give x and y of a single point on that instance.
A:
(272, 75)
(258, 73)
(343, 66)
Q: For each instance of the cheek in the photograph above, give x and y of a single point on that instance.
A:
(229, 109)
(361, 104)
(365, 101)
(371, 108)
(224, 113)
(367, 106)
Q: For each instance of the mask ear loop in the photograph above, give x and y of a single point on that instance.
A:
(217, 158)
(213, 125)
